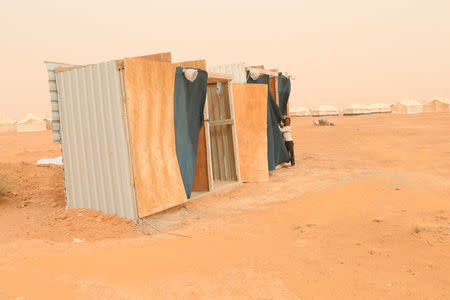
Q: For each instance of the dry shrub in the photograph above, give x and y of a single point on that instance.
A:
(3, 184)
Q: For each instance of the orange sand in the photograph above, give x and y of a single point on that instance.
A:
(340, 225)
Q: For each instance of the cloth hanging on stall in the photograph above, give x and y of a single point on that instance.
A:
(276, 149)
(189, 102)
(284, 90)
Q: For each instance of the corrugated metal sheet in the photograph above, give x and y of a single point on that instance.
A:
(51, 66)
(237, 70)
(96, 160)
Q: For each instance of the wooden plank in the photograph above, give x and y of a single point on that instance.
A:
(226, 133)
(213, 140)
(272, 88)
(221, 122)
(250, 107)
(201, 182)
(163, 57)
(208, 146)
(199, 64)
(233, 132)
(149, 88)
(218, 77)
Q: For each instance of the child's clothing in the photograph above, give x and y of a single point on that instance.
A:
(289, 142)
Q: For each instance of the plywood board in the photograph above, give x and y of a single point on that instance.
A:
(250, 108)
(163, 57)
(273, 89)
(150, 88)
(200, 64)
(201, 166)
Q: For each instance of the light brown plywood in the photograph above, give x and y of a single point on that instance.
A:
(163, 57)
(149, 88)
(201, 182)
(250, 108)
(199, 64)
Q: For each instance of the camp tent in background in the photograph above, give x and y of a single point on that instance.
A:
(7, 125)
(356, 109)
(31, 123)
(437, 105)
(407, 107)
(324, 110)
(380, 108)
(300, 112)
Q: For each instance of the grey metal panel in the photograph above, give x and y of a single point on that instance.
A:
(51, 66)
(236, 70)
(95, 153)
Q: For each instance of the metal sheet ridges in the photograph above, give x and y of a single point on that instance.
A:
(51, 66)
(96, 162)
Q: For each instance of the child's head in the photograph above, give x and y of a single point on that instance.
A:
(287, 121)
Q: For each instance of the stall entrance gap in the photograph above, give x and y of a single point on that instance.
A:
(220, 133)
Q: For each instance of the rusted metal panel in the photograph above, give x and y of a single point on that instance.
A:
(97, 167)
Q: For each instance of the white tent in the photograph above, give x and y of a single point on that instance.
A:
(31, 123)
(300, 112)
(324, 110)
(7, 125)
(356, 109)
(437, 105)
(379, 108)
(407, 107)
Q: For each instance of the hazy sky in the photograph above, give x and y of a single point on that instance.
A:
(342, 52)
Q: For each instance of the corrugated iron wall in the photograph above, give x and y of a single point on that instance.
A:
(237, 70)
(96, 160)
(51, 66)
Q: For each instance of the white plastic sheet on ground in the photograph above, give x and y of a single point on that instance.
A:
(51, 161)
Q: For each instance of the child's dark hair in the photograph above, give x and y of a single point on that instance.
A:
(286, 118)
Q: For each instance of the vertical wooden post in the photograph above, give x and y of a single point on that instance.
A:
(233, 129)
(208, 144)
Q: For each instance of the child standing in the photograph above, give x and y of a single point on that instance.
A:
(287, 136)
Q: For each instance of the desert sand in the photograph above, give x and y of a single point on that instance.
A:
(365, 214)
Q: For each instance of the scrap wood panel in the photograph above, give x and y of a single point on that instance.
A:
(163, 57)
(250, 108)
(150, 88)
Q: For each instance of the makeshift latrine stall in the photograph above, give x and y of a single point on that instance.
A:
(437, 105)
(407, 107)
(130, 134)
(31, 123)
(7, 125)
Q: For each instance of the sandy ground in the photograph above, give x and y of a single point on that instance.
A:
(365, 214)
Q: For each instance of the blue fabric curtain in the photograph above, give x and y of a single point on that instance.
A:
(276, 149)
(284, 90)
(189, 102)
